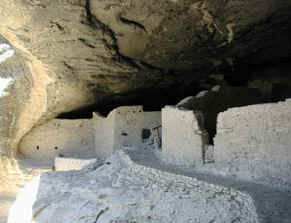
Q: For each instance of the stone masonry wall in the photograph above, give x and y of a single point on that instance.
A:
(104, 134)
(218, 99)
(129, 124)
(254, 142)
(123, 128)
(60, 137)
(183, 136)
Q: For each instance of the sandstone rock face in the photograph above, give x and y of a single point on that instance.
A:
(122, 191)
(15, 89)
(150, 31)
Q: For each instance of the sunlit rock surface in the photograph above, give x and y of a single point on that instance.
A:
(122, 191)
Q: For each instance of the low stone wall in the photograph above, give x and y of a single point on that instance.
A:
(254, 142)
(183, 137)
(60, 137)
(65, 164)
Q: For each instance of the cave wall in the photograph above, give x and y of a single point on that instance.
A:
(16, 116)
(47, 77)
(253, 142)
(73, 54)
(60, 137)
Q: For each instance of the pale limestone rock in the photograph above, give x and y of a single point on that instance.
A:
(122, 191)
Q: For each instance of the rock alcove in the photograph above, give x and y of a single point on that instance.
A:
(62, 62)
(94, 55)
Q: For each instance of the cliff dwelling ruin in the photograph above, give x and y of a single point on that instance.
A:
(227, 130)
(145, 111)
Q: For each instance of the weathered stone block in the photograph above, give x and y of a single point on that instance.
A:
(64, 164)
(126, 192)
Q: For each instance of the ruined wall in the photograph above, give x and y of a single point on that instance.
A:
(123, 129)
(65, 164)
(183, 136)
(104, 134)
(60, 137)
(129, 123)
(219, 99)
(254, 142)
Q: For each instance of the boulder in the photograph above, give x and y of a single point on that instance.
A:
(122, 191)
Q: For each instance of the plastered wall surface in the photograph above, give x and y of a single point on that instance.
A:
(254, 142)
(183, 139)
(60, 137)
(123, 129)
(104, 134)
